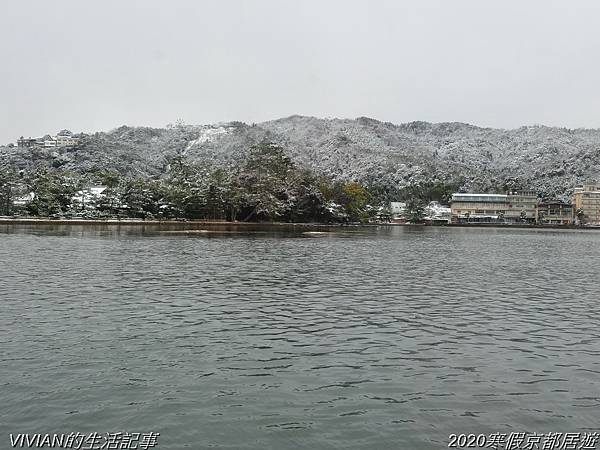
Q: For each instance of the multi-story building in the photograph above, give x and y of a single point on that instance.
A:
(586, 204)
(554, 212)
(514, 207)
(478, 207)
(26, 142)
(522, 206)
(64, 138)
(48, 141)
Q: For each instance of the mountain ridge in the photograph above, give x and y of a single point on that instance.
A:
(388, 156)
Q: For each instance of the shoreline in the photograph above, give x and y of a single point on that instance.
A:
(521, 226)
(141, 222)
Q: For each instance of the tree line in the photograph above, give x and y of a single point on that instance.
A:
(266, 186)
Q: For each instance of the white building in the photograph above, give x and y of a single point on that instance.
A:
(438, 212)
(24, 199)
(398, 209)
(514, 207)
(88, 197)
(65, 138)
(48, 141)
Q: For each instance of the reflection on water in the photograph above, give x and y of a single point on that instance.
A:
(100, 229)
(357, 338)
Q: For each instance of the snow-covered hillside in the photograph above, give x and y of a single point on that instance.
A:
(548, 160)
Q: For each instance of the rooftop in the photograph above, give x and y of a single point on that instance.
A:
(479, 198)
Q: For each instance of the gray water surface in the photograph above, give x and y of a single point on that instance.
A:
(387, 338)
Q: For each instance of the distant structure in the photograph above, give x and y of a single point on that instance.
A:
(26, 142)
(586, 202)
(513, 207)
(437, 214)
(434, 213)
(522, 206)
(89, 197)
(398, 209)
(555, 212)
(24, 200)
(63, 138)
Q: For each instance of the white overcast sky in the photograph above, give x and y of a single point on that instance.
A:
(96, 65)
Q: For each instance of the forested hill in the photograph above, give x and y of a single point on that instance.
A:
(383, 156)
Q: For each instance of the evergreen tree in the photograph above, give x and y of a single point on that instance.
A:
(7, 180)
(53, 191)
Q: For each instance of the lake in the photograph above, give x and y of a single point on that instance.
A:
(374, 338)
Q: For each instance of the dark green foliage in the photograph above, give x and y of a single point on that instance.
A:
(385, 214)
(416, 200)
(263, 186)
(7, 181)
(53, 192)
(385, 157)
(415, 210)
(143, 198)
(267, 180)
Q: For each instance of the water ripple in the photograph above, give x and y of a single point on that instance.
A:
(389, 338)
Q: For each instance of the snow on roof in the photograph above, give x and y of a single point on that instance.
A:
(479, 195)
(89, 193)
(97, 189)
(397, 207)
(24, 199)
